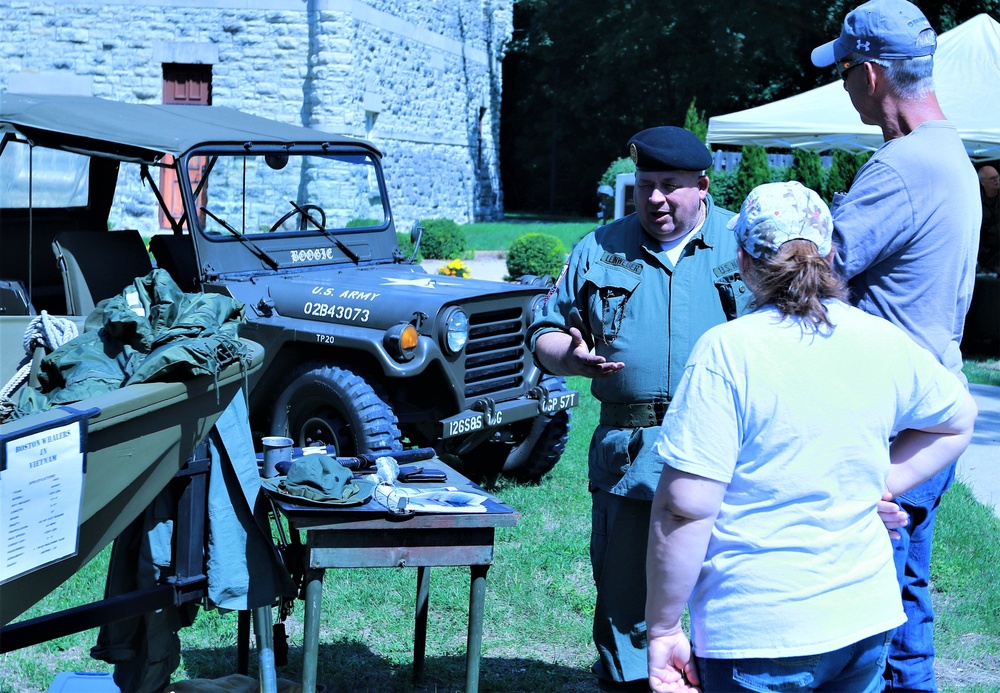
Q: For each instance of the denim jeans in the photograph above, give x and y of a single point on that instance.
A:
(856, 668)
(911, 654)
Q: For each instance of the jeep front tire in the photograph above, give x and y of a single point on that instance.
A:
(329, 405)
(539, 443)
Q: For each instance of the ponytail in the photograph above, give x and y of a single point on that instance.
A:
(795, 280)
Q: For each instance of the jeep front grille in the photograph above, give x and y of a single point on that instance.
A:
(494, 355)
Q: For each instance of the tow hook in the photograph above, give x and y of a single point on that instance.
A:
(541, 393)
(489, 409)
(266, 307)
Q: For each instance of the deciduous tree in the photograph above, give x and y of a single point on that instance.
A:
(582, 76)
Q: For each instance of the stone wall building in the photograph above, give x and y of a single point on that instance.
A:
(420, 79)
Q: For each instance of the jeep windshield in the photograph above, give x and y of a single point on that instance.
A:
(276, 193)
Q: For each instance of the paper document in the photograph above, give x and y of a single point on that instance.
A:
(442, 500)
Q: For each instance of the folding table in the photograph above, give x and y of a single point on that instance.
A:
(368, 536)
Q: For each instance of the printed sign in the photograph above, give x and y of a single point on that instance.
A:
(41, 492)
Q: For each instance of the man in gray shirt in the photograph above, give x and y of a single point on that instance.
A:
(906, 235)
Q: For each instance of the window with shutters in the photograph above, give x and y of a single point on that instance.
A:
(189, 85)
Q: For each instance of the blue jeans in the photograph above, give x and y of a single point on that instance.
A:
(856, 668)
(911, 655)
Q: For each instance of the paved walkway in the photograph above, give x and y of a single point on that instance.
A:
(489, 264)
(979, 467)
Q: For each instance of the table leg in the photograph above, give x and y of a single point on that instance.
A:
(477, 606)
(265, 649)
(420, 621)
(242, 642)
(310, 642)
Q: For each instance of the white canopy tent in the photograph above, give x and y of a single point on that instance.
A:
(966, 78)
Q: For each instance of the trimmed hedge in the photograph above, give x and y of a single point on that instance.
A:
(539, 254)
(406, 247)
(357, 223)
(722, 188)
(442, 239)
(843, 169)
(623, 165)
(808, 169)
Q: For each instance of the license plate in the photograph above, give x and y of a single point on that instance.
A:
(467, 424)
(555, 403)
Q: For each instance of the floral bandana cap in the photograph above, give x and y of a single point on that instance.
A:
(775, 213)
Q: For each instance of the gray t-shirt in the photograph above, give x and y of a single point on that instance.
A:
(907, 234)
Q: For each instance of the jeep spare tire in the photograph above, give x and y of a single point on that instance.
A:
(329, 405)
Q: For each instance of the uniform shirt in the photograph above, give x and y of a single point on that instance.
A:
(797, 424)
(623, 293)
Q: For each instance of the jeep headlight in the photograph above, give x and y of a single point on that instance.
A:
(456, 331)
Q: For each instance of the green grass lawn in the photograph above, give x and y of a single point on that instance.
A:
(499, 235)
(982, 369)
(538, 606)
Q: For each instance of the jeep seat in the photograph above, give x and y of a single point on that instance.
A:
(175, 254)
(96, 265)
(14, 299)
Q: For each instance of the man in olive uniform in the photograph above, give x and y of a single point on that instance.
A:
(629, 306)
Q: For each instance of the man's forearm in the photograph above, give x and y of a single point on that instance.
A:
(551, 349)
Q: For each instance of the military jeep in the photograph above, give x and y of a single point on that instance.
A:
(364, 350)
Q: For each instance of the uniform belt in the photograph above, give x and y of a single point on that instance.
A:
(635, 415)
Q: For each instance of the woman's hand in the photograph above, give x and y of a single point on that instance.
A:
(892, 516)
(671, 667)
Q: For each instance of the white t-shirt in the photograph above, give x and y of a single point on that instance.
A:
(798, 424)
(675, 248)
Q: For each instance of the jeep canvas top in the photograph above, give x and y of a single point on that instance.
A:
(364, 350)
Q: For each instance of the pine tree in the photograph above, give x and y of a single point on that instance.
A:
(695, 122)
(807, 169)
(843, 169)
(753, 171)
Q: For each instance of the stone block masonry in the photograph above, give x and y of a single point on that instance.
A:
(421, 80)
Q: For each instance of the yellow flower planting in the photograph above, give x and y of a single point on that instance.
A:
(455, 268)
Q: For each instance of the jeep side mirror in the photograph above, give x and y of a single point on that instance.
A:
(416, 233)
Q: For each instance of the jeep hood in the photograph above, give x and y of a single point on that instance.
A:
(388, 297)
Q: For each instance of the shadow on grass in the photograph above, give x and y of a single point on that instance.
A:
(351, 667)
(545, 218)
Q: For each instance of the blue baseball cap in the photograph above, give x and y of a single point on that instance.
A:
(887, 29)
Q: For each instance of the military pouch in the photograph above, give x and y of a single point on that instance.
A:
(615, 281)
(734, 295)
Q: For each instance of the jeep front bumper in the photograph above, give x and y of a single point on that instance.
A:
(486, 414)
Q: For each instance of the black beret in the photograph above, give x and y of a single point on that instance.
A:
(668, 148)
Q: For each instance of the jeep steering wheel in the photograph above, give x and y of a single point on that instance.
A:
(296, 209)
